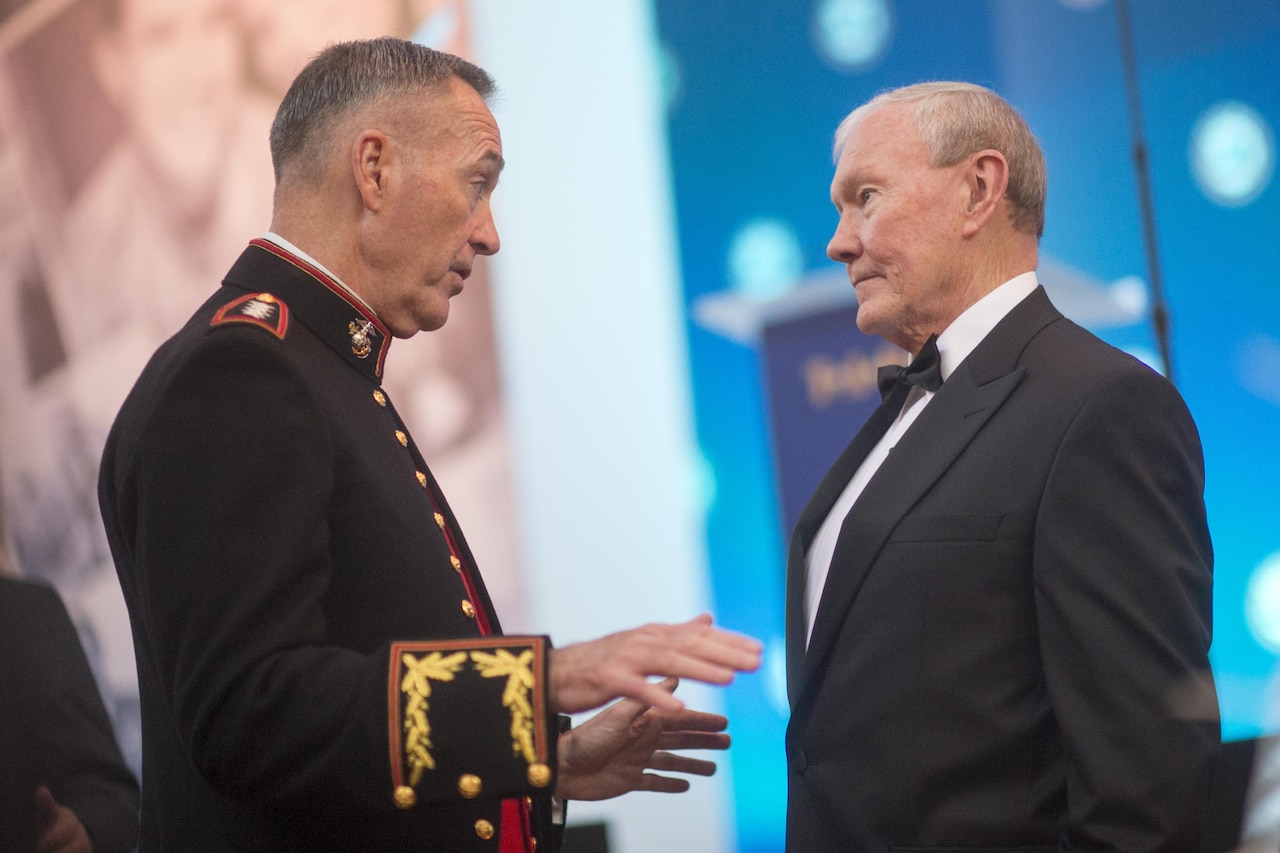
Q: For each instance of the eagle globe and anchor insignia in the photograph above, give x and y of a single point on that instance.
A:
(362, 333)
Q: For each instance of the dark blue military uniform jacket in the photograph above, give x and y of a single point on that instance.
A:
(309, 624)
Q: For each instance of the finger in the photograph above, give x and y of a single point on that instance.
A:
(693, 740)
(697, 667)
(650, 694)
(722, 648)
(694, 721)
(669, 763)
(703, 623)
(662, 784)
(718, 641)
(628, 709)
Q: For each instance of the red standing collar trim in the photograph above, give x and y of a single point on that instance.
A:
(335, 288)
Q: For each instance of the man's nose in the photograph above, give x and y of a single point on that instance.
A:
(844, 246)
(485, 238)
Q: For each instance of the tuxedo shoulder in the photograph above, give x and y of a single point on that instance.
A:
(1085, 354)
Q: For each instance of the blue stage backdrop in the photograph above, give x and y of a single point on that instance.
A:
(756, 88)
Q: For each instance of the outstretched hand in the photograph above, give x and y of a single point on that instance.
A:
(608, 755)
(587, 675)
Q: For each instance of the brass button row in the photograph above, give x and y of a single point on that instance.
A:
(539, 775)
(469, 786)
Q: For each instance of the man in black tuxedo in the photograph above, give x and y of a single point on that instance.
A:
(319, 662)
(998, 599)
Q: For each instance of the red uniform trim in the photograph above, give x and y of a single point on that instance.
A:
(337, 289)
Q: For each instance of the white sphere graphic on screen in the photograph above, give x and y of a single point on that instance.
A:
(851, 34)
(1262, 603)
(765, 260)
(1232, 153)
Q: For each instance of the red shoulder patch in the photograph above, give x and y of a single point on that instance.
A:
(257, 309)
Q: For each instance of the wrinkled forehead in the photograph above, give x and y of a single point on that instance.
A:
(448, 118)
(884, 132)
(871, 118)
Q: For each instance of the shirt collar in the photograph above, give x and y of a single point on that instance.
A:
(273, 237)
(976, 322)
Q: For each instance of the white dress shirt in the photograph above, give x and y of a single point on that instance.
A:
(954, 345)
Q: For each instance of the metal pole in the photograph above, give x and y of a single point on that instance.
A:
(1159, 311)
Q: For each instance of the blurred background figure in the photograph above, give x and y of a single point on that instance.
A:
(162, 214)
(63, 784)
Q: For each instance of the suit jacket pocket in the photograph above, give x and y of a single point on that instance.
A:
(971, 527)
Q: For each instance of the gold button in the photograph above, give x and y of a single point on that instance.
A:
(484, 829)
(533, 844)
(539, 775)
(265, 297)
(440, 521)
(402, 438)
(379, 398)
(405, 797)
(469, 611)
(469, 786)
(422, 479)
(457, 564)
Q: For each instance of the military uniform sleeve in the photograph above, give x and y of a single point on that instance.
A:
(1123, 577)
(224, 503)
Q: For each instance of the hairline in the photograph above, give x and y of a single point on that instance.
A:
(1030, 179)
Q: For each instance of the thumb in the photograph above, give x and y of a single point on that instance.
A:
(46, 807)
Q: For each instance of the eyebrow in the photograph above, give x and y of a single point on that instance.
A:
(494, 157)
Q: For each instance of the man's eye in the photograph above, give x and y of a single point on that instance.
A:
(865, 195)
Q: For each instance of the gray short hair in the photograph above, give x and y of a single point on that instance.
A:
(955, 120)
(347, 76)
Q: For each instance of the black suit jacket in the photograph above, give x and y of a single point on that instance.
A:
(306, 614)
(1011, 649)
(54, 730)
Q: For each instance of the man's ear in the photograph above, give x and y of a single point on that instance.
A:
(371, 158)
(987, 180)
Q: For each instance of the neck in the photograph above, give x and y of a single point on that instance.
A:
(995, 263)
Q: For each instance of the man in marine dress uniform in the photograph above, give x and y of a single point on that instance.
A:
(319, 663)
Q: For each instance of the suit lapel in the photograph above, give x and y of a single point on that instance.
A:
(959, 410)
(811, 518)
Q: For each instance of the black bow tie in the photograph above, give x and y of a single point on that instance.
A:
(925, 371)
